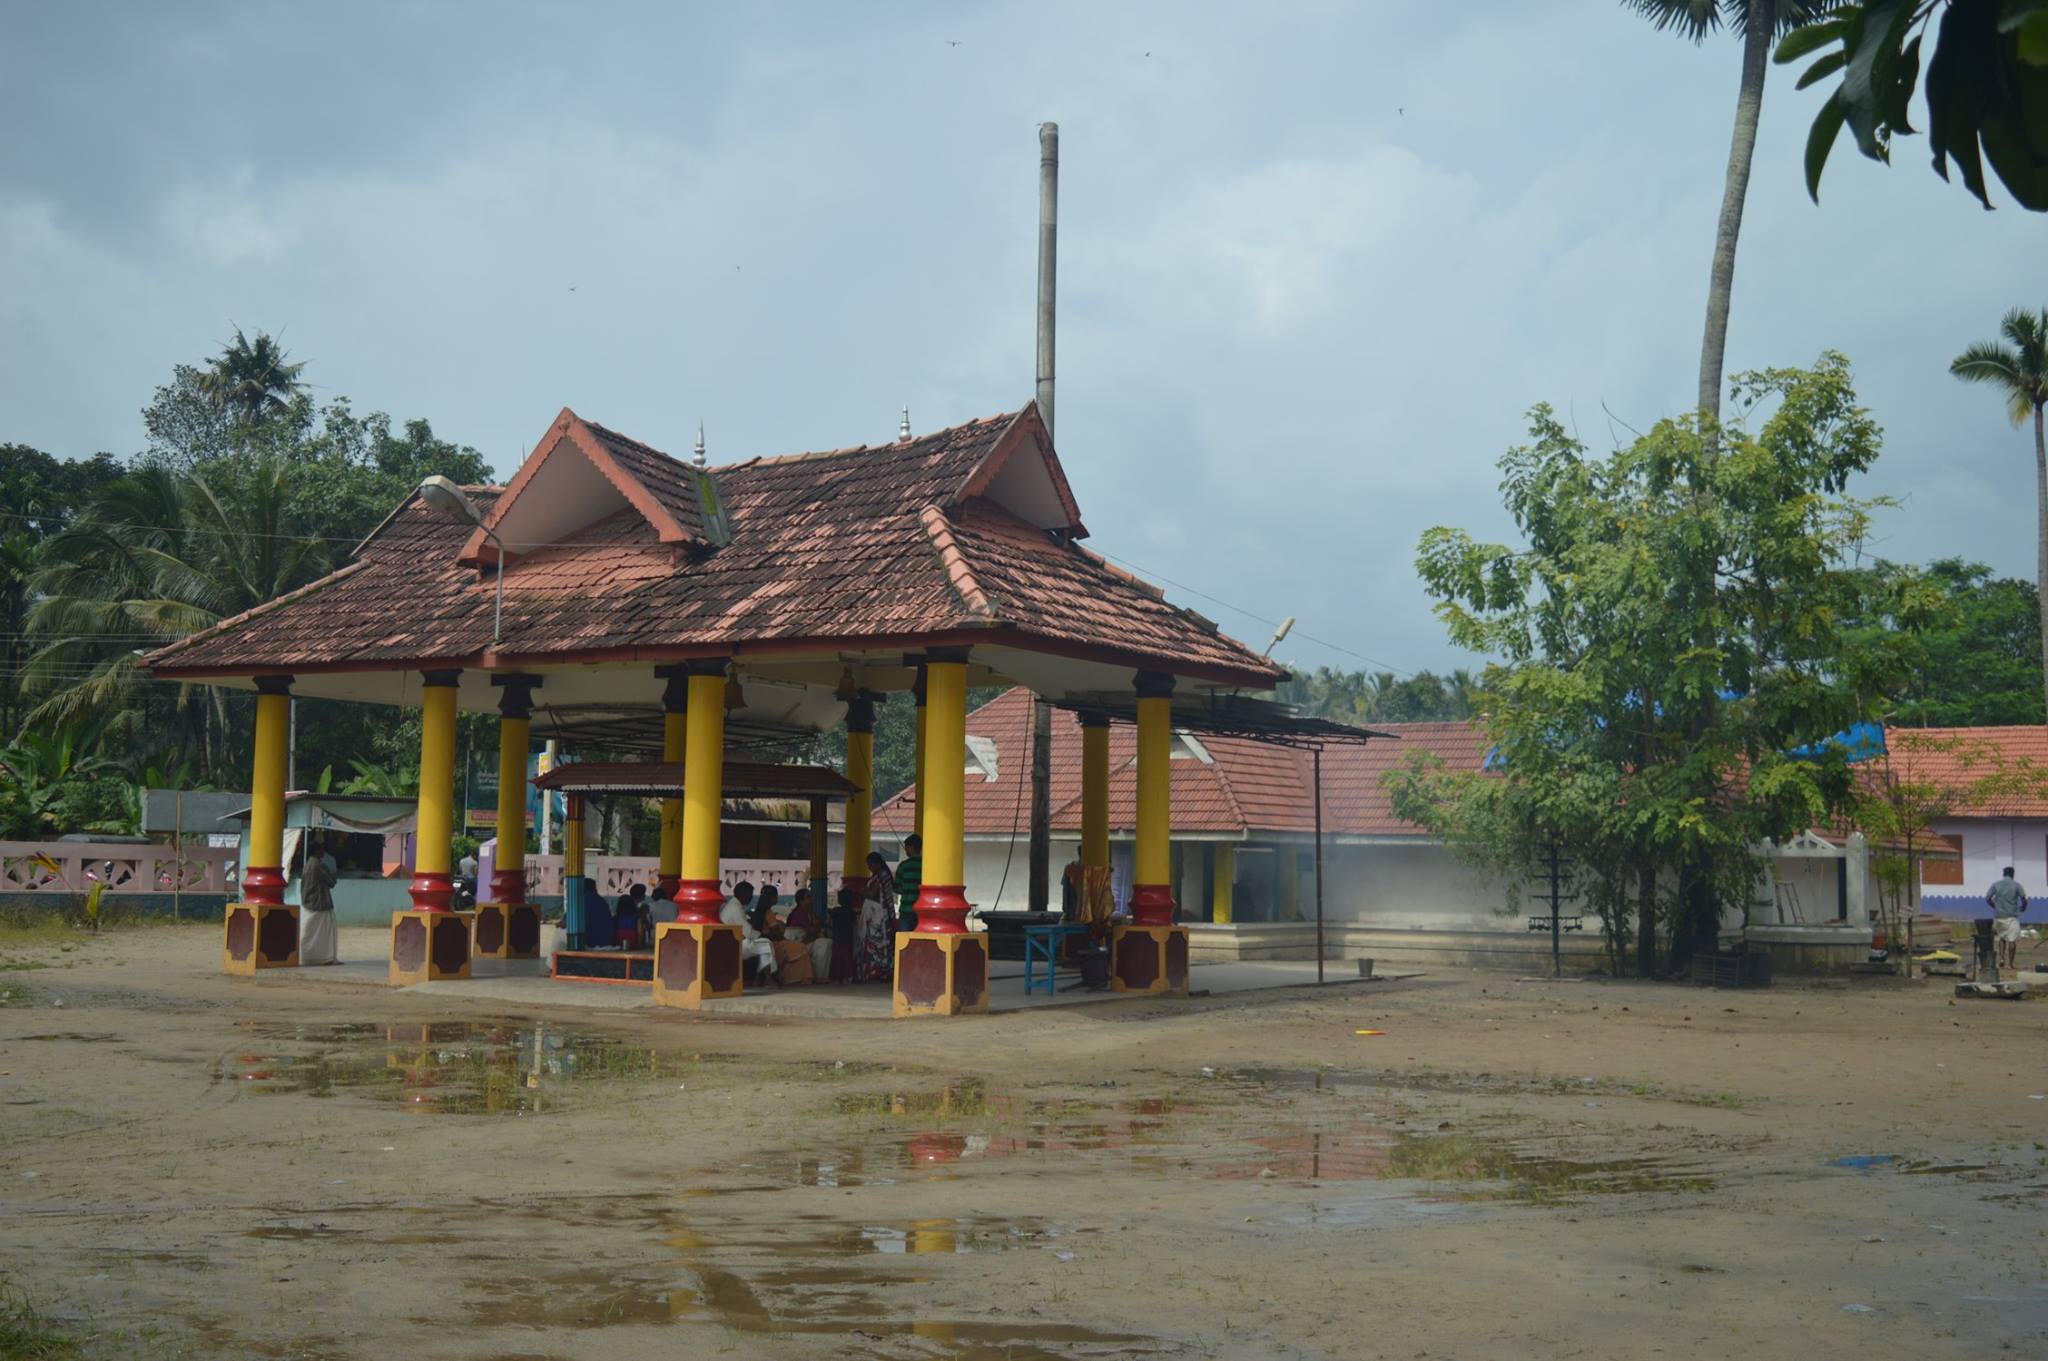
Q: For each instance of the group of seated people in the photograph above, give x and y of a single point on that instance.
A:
(852, 943)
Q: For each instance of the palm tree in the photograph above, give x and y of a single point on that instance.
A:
(253, 380)
(153, 557)
(2017, 366)
(1759, 22)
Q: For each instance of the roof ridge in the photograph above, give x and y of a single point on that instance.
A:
(764, 460)
(940, 531)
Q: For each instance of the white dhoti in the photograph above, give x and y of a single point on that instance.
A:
(821, 958)
(316, 936)
(761, 950)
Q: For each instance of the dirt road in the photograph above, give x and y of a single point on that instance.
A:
(192, 1165)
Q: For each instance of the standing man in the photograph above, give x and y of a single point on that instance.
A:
(2007, 901)
(909, 881)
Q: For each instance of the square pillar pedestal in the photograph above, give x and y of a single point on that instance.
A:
(427, 947)
(507, 931)
(259, 936)
(1149, 959)
(940, 975)
(695, 963)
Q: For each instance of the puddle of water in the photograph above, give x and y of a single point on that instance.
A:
(1865, 1162)
(455, 1068)
(1498, 1169)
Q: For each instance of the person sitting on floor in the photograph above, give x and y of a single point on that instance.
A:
(626, 919)
(845, 934)
(807, 924)
(597, 918)
(757, 953)
(660, 908)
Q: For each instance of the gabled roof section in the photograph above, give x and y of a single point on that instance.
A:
(1022, 475)
(582, 473)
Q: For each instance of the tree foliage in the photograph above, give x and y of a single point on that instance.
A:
(1383, 697)
(1671, 638)
(1974, 656)
(1986, 87)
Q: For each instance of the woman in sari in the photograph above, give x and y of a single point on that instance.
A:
(806, 924)
(872, 962)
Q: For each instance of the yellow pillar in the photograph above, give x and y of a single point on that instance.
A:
(942, 898)
(1095, 791)
(263, 877)
(699, 898)
(1223, 882)
(821, 841)
(860, 773)
(515, 723)
(674, 745)
(434, 829)
(572, 837)
(1152, 891)
(1290, 883)
(917, 693)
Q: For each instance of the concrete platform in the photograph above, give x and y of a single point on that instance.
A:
(525, 983)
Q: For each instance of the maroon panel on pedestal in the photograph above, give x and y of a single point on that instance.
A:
(524, 929)
(675, 960)
(970, 972)
(241, 932)
(921, 973)
(722, 961)
(490, 929)
(1137, 960)
(451, 943)
(277, 936)
(409, 944)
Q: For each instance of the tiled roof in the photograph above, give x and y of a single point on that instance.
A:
(875, 545)
(1956, 758)
(1247, 787)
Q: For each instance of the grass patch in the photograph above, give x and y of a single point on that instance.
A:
(26, 1335)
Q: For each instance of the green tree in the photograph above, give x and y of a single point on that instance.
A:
(2017, 365)
(37, 493)
(153, 557)
(253, 381)
(1759, 22)
(1671, 622)
(1986, 87)
(1976, 655)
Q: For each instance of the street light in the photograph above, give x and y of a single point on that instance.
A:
(448, 500)
(1286, 624)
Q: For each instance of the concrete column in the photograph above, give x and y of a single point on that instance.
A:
(1152, 892)
(1222, 881)
(942, 900)
(433, 886)
(675, 702)
(860, 772)
(515, 719)
(699, 897)
(263, 877)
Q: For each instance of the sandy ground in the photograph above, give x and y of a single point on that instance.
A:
(193, 1165)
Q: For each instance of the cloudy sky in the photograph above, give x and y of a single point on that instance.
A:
(1316, 259)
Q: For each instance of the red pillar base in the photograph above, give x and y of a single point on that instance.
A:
(1149, 959)
(940, 973)
(432, 891)
(259, 936)
(507, 930)
(699, 901)
(942, 909)
(507, 886)
(695, 963)
(429, 945)
(1151, 905)
(263, 884)
(667, 883)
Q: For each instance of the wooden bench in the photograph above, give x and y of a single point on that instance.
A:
(635, 967)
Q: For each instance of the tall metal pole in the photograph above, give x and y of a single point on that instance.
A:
(1039, 859)
(1556, 955)
(1319, 864)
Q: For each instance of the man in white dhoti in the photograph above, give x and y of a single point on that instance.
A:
(755, 948)
(316, 908)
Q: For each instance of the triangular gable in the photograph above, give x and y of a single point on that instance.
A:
(572, 480)
(1022, 474)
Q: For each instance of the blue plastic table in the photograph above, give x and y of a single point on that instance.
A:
(1043, 943)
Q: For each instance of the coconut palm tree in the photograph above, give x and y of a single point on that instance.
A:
(253, 380)
(2017, 365)
(153, 557)
(1759, 22)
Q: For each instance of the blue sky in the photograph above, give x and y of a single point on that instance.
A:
(1316, 259)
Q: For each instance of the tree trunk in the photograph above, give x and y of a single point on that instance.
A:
(2041, 546)
(1646, 920)
(1749, 103)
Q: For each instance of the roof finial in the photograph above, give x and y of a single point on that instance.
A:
(700, 444)
(903, 427)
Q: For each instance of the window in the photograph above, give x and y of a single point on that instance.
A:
(1944, 872)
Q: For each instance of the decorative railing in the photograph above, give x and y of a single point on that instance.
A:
(124, 867)
(616, 874)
